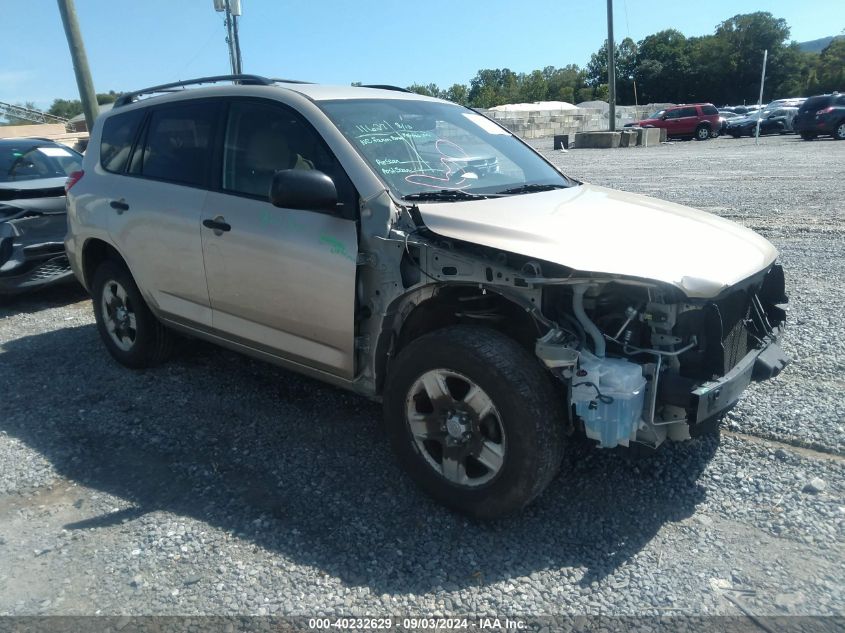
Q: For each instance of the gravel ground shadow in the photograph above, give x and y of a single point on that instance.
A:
(304, 470)
(41, 299)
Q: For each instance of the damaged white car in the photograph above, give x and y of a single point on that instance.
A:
(416, 252)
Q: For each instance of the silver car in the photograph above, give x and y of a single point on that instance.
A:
(416, 252)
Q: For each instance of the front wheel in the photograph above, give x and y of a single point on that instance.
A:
(130, 331)
(839, 132)
(475, 420)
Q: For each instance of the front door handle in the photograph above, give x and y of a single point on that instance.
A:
(119, 205)
(218, 224)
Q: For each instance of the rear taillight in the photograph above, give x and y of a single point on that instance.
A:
(827, 110)
(75, 177)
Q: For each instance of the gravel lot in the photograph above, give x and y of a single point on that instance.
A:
(219, 485)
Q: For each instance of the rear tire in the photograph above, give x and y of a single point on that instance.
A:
(130, 331)
(462, 392)
(839, 131)
(702, 133)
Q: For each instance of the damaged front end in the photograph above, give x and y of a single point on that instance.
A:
(642, 363)
(33, 223)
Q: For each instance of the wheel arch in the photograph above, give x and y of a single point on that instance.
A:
(436, 307)
(94, 252)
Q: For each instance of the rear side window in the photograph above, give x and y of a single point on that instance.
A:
(119, 132)
(709, 109)
(688, 112)
(178, 143)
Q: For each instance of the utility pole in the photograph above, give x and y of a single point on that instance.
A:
(80, 62)
(232, 9)
(611, 67)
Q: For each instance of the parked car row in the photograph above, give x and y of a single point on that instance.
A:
(810, 117)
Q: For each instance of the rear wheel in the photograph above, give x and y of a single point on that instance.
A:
(839, 131)
(475, 420)
(131, 333)
(702, 133)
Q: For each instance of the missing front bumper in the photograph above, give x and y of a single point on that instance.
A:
(714, 398)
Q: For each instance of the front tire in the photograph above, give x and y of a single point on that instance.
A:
(475, 420)
(130, 331)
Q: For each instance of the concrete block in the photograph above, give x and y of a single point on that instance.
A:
(561, 141)
(627, 138)
(662, 135)
(646, 136)
(597, 139)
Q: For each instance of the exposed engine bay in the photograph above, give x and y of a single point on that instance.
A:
(642, 366)
(638, 361)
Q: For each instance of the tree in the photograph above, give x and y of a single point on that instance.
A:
(533, 87)
(830, 69)
(564, 83)
(458, 93)
(661, 67)
(492, 87)
(69, 108)
(429, 90)
(668, 67)
(624, 57)
(737, 50)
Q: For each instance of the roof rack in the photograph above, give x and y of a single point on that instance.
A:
(385, 87)
(250, 80)
(290, 81)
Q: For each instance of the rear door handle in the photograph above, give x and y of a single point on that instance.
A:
(119, 205)
(217, 224)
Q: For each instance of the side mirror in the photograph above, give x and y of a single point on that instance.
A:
(306, 189)
(664, 117)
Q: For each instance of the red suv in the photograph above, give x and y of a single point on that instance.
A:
(698, 120)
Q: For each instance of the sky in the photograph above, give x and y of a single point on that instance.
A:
(137, 43)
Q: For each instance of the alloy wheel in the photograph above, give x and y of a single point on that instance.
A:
(118, 315)
(456, 427)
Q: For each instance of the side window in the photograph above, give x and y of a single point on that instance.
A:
(709, 109)
(841, 101)
(685, 112)
(119, 132)
(264, 138)
(673, 114)
(178, 143)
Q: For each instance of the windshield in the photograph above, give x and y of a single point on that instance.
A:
(656, 115)
(25, 161)
(420, 147)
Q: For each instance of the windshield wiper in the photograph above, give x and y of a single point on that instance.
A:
(532, 188)
(446, 195)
